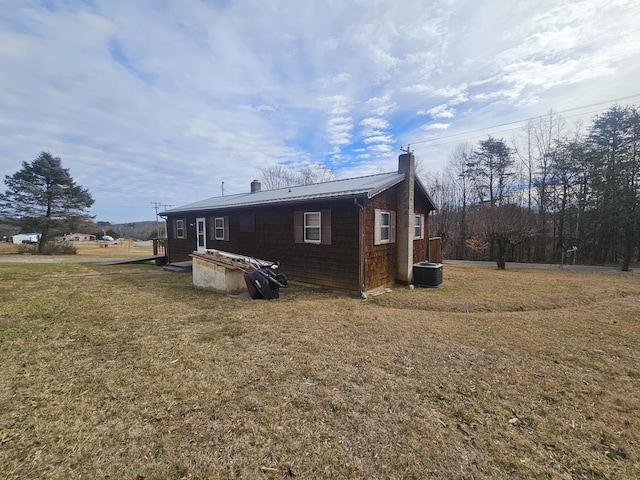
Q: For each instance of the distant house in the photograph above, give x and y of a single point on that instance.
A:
(357, 234)
(26, 238)
(79, 237)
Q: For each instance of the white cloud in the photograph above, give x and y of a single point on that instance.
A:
(380, 106)
(374, 124)
(137, 96)
(385, 139)
(337, 79)
(436, 126)
(339, 131)
(260, 108)
(441, 111)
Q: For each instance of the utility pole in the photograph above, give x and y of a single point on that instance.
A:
(164, 207)
(156, 206)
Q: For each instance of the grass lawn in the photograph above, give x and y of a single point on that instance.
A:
(128, 372)
(122, 249)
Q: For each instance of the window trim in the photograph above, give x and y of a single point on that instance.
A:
(179, 228)
(418, 222)
(215, 230)
(385, 227)
(299, 227)
(306, 227)
(218, 230)
(378, 227)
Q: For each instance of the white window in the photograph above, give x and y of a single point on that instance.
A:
(418, 223)
(385, 226)
(312, 227)
(312, 224)
(180, 229)
(219, 228)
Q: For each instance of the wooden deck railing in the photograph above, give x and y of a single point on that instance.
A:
(160, 246)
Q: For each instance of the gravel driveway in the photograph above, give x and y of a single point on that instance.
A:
(591, 268)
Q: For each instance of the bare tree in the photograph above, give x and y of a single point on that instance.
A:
(574, 189)
(317, 173)
(443, 223)
(525, 154)
(277, 176)
(461, 177)
(547, 132)
(505, 226)
(281, 176)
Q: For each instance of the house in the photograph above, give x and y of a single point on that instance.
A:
(26, 238)
(78, 237)
(357, 234)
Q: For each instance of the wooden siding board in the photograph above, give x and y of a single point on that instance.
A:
(420, 247)
(380, 260)
(335, 265)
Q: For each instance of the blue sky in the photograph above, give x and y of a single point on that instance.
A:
(163, 100)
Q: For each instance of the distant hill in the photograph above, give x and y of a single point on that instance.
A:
(138, 230)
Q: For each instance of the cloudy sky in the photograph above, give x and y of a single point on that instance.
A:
(163, 100)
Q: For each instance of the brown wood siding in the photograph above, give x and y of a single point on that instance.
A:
(334, 265)
(179, 249)
(421, 247)
(435, 249)
(380, 260)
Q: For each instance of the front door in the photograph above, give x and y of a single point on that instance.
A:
(201, 230)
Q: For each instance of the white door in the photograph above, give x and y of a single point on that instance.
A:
(201, 230)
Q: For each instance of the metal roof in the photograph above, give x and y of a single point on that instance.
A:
(368, 186)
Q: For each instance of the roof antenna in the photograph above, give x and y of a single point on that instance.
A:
(406, 150)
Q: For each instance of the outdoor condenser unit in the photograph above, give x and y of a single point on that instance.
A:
(427, 274)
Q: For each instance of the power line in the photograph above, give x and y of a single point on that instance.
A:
(157, 206)
(497, 131)
(468, 133)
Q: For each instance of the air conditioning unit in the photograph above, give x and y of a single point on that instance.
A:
(427, 274)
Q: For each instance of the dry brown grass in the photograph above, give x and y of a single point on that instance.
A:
(8, 248)
(122, 249)
(128, 372)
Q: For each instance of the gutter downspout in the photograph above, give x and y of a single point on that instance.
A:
(361, 268)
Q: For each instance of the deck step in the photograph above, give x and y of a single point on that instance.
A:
(179, 267)
(159, 259)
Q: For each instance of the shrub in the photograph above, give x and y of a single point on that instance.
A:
(26, 248)
(58, 248)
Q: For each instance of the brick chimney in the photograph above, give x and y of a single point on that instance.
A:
(255, 186)
(405, 219)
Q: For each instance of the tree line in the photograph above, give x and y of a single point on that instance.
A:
(549, 191)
